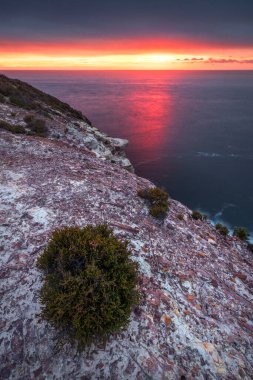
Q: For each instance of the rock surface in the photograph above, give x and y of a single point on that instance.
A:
(63, 124)
(195, 317)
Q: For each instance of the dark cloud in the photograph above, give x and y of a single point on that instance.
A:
(215, 60)
(223, 60)
(194, 59)
(222, 21)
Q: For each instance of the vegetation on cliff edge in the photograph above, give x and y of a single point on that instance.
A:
(157, 199)
(223, 230)
(23, 95)
(197, 215)
(242, 233)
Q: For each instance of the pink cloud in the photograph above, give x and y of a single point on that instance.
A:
(216, 60)
(230, 60)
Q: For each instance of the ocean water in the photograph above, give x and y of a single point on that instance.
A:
(189, 131)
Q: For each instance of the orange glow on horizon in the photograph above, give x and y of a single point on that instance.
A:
(139, 54)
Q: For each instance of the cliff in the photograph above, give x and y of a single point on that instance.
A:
(195, 316)
(22, 104)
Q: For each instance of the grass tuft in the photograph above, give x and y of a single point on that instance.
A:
(12, 128)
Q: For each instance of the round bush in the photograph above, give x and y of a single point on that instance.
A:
(242, 233)
(223, 230)
(89, 283)
(198, 215)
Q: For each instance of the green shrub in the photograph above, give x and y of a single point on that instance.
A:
(38, 127)
(158, 211)
(223, 230)
(18, 101)
(198, 215)
(5, 88)
(2, 99)
(242, 233)
(75, 113)
(28, 118)
(89, 283)
(158, 201)
(180, 216)
(12, 128)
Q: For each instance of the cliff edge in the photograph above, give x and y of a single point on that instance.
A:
(195, 316)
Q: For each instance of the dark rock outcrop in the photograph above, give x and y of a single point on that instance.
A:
(20, 101)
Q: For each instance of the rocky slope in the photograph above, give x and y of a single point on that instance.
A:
(195, 317)
(19, 100)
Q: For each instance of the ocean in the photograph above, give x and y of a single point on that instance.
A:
(189, 131)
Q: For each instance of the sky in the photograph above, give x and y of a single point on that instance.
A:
(126, 34)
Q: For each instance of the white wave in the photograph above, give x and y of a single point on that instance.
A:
(215, 155)
(206, 154)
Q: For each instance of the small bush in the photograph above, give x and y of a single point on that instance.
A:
(38, 127)
(158, 211)
(223, 230)
(21, 100)
(28, 118)
(89, 283)
(75, 113)
(12, 128)
(198, 215)
(242, 233)
(2, 99)
(5, 87)
(17, 101)
(180, 216)
(158, 201)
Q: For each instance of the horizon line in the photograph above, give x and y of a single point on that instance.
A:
(88, 70)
